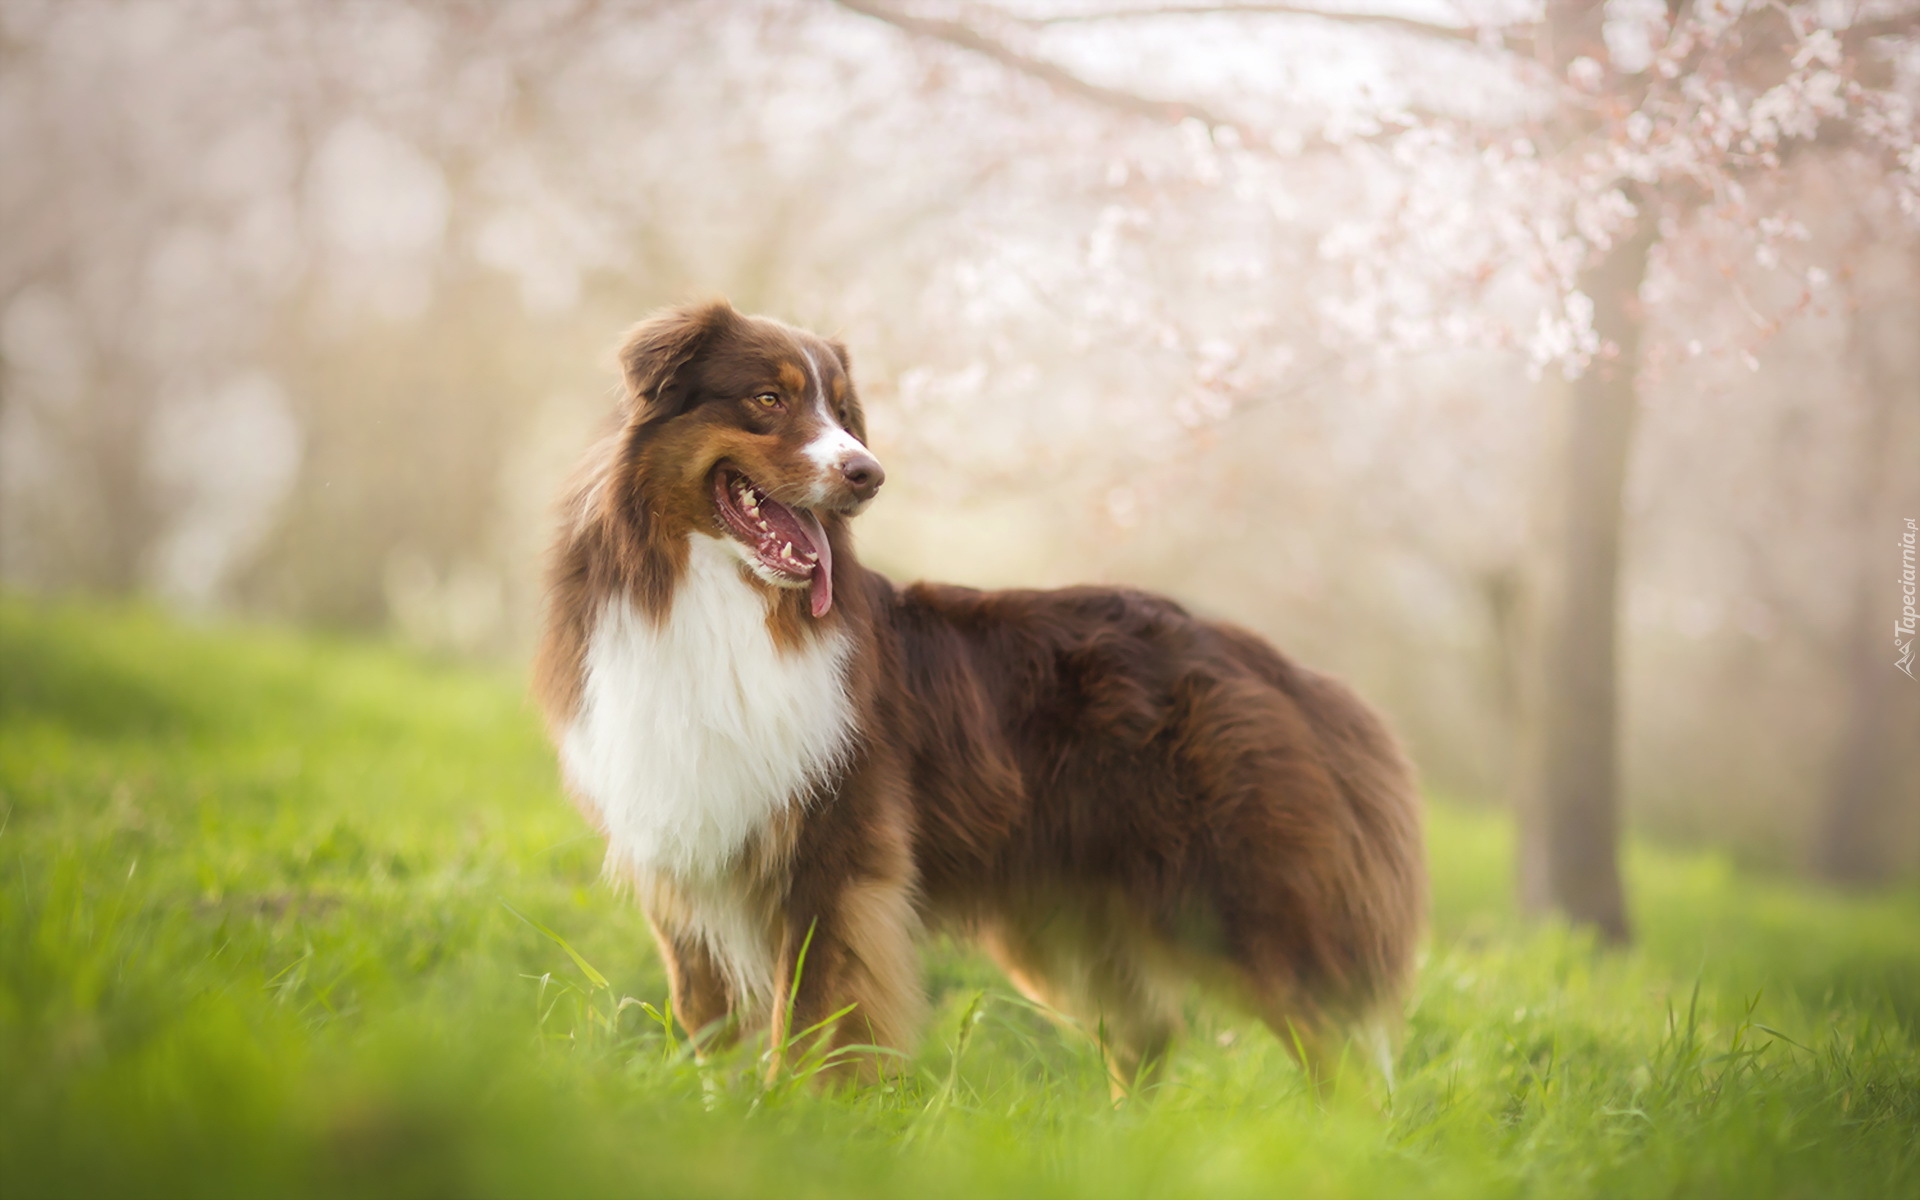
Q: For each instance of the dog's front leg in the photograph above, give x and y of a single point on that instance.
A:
(702, 1000)
(849, 979)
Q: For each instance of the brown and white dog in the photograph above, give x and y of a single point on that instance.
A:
(786, 751)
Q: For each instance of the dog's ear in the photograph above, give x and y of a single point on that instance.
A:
(856, 416)
(656, 352)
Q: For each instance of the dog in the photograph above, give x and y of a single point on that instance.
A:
(803, 767)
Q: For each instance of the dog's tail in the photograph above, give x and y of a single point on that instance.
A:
(1387, 892)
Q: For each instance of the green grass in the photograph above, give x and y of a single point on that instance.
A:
(255, 939)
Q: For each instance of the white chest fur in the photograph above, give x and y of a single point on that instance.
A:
(693, 732)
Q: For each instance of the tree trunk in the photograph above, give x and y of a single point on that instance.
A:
(1851, 847)
(1851, 840)
(1571, 813)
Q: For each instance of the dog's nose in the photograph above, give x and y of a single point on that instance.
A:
(863, 474)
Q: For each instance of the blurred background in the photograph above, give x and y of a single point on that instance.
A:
(305, 310)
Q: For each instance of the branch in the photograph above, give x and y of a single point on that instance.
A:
(1903, 25)
(1462, 33)
(955, 33)
(1165, 111)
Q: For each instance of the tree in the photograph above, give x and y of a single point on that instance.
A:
(1852, 832)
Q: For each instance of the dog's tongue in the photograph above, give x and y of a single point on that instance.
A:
(800, 530)
(820, 590)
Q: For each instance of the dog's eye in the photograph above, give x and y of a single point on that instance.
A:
(769, 400)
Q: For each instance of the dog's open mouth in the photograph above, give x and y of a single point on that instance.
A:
(787, 542)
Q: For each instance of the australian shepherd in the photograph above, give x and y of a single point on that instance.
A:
(802, 766)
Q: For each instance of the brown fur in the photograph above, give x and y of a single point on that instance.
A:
(1115, 797)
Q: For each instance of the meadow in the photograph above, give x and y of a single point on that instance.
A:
(283, 914)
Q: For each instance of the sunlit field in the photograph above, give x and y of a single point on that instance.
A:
(281, 915)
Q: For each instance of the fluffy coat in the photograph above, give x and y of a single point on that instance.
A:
(1113, 797)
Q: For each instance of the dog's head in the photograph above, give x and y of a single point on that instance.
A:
(753, 430)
